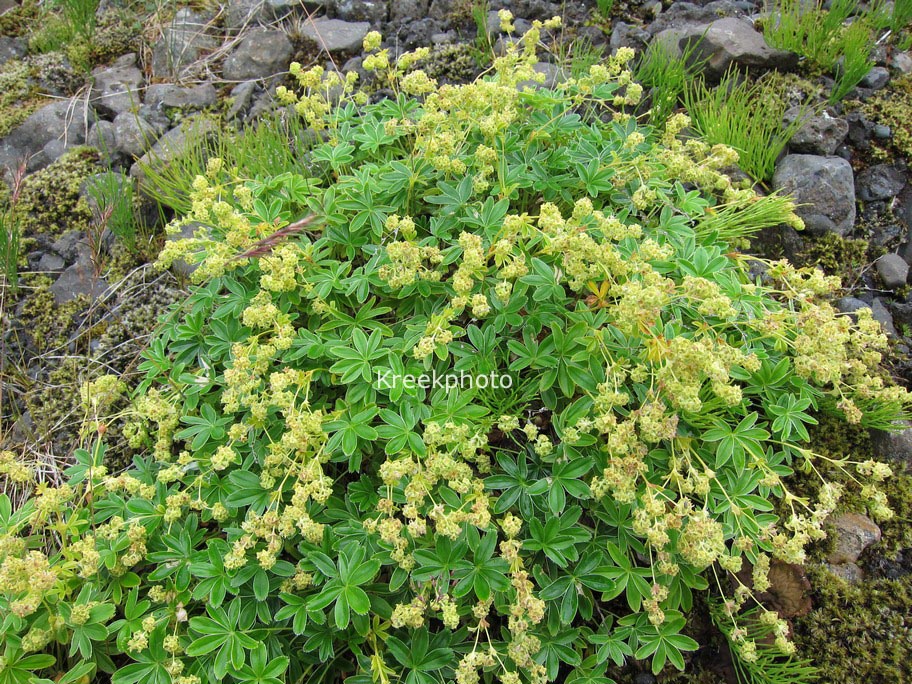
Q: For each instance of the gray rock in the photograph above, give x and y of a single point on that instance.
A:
(628, 35)
(848, 572)
(182, 43)
(79, 279)
(820, 134)
(171, 144)
(67, 245)
(729, 41)
(820, 185)
(853, 534)
(54, 150)
(881, 313)
(51, 263)
(134, 134)
(373, 11)
(65, 120)
(681, 14)
(407, 9)
(553, 75)
(262, 53)
(334, 35)
(881, 181)
(102, 137)
(11, 48)
(242, 13)
(882, 132)
(876, 78)
(187, 231)
(893, 446)
(241, 98)
(902, 62)
(117, 89)
(850, 305)
(186, 98)
(893, 270)
(280, 9)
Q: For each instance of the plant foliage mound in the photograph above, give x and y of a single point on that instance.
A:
(482, 389)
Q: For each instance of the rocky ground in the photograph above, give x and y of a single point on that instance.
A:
(94, 115)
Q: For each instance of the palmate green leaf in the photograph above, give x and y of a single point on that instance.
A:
(665, 643)
(483, 573)
(559, 537)
(733, 444)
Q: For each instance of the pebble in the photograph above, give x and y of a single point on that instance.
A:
(882, 132)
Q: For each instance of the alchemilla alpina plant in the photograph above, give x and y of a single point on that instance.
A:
(310, 504)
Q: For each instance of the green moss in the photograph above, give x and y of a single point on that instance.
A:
(858, 633)
(893, 107)
(835, 255)
(58, 72)
(16, 21)
(452, 63)
(50, 203)
(18, 97)
(117, 33)
(49, 325)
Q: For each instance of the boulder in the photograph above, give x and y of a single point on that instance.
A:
(407, 9)
(262, 53)
(820, 134)
(186, 98)
(373, 11)
(334, 35)
(893, 446)
(893, 270)
(880, 312)
(101, 137)
(628, 35)
(727, 42)
(12, 48)
(79, 279)
(681, 14)
(134, 134)
(117, 89)
(182, 43)
(876, 78)
(848, 572)
(64, 122)
(821, 186)
(902, 62)
(879, 182)
(853, 534)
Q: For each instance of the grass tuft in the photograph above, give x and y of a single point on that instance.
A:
(746, 116)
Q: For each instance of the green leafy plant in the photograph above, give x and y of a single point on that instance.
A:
(591, 411)
(745, 115)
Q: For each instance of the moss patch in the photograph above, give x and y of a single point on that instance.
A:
(858, 633)
(50, 201)
(16, 22)
(18, 97)
(48, 325)
(893, 107)
(835, 255)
